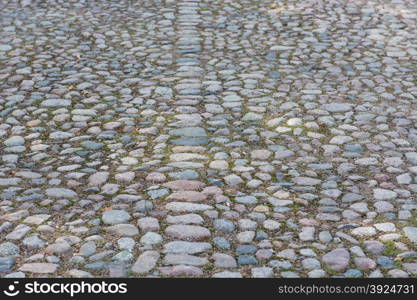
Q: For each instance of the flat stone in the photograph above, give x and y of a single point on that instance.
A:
(385, 227)
(143, 206)
(245, 260)
(222, 260)
(188, 132)
(351, 197)
(74, 273)
(187, 232)
(337, 260)
(19, 232)
(191, 196)
(15, 216)
(91, 145)
(192, 141)
(227, 274)
(337, 107)
(410, 268)
(187, 207)
(60, 135)
(306, 181)
(246, 249)
(252, 117)
(181, 270)
(146, 262)
(184, 185)
(14, 141)
(98, 178)
(221, 243)
(185, 259)
(56, 103)
(233, 180)
(223, 225)
(33, 242)
(113, 217)
(186, 247)
(311, 264)
(411, 233)
(123, 230)
(88, 248)
(148, 224)
(307, 234)
(36, 219)
(364, 231)
(185, 219)
(9, 249)
(383, 194)
(364, 263)
(10, 181)
(158, 193)
(60, 248)
(219, 165)
(151, 238)
(39, 268)
(383, 206)
(6, 264)
(5, 47)
(262, 272)
(246, 199)
(61, 193)
(261, 154)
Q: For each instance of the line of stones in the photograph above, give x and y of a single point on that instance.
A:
(188, 131)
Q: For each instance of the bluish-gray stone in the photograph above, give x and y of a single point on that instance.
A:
(188, 132)
(190, 141)
(246, 249)
(155, 194)
(221, 243)
(244, 260)
(92, 145)
(353, 273)
(223, 225)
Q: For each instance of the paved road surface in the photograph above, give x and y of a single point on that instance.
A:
(201, 138)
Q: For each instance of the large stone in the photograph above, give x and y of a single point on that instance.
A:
(60, 248)
(14, 141)
(185, 259)
(98, 178)
(151, 238)
(184, 185)
(188, 132)
(411, 233)
(181, 270)
(306, 181)
(364, 231)
(191, 196)
(9, 249)
(56, 102)
(61, 193)
(337, 107)
(113, 217)
(186, 247)
(145, 262)
(39, 268)
(223, 225)
(123, 230)
(383, 194)
(187, 207)
(187, 232)
(148, 224)
(337, 260)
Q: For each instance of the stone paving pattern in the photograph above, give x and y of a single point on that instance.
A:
(208, 138)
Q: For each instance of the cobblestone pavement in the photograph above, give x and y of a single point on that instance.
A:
(208, 138)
